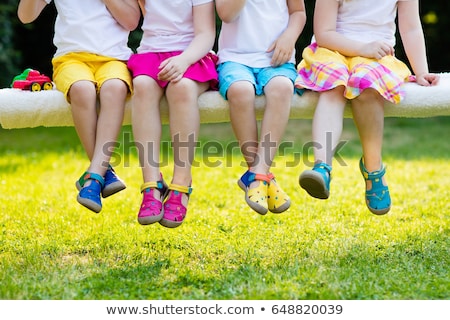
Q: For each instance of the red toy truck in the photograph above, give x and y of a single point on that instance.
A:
(32, 80)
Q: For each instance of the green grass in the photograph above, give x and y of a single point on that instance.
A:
(53, 248)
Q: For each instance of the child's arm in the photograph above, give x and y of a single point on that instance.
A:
(325, 17)
(411, 32)
(173, 68)
(228, 10)
(29, 10)
(284, 46)
(126, 12)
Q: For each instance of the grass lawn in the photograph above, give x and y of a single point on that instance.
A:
(53, 248)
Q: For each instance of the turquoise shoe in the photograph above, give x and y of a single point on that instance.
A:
(317, 181)
(378, 199)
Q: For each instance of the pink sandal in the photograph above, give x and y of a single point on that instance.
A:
(174, 211)
(151, 208)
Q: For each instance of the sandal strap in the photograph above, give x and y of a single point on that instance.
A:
(91, 176)
(179, 188)
(378, 174)
(152, 184)
(324, 166)
(258, 176)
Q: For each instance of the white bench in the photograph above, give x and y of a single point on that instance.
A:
(26, 109)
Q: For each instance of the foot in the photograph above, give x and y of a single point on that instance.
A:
(277, 200)
(151, 207)
(175, 206)
(378, 200)
(317, 181)
(256, 193)
(113, 183)
(89, 195)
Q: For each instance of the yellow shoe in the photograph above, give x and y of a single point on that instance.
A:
(256, 197)
(277, 200)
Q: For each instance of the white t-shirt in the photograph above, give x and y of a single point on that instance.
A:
(367, 20)
(88, 26)
(246, 39)
(168, 25)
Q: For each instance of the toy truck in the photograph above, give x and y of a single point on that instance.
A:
(32, 80)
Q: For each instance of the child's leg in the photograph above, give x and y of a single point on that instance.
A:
(112, 97)
(184, 121)
(146, 123)
(278, 93)
(326, 133)
(368, 115)
(237, 84)
(83, 100)
(327, 124)
(241, 99)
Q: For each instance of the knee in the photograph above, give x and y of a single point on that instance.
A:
(115, 87)
(368, 96)
(142, 85)
(82, 92)
(241, 93)
(183, 92)
(279, 89)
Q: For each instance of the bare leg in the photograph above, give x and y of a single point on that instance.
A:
(327, 123)
(241, 98)
(368, 115)
(97, 133)
(278, 93)
(184, 120)
(83, 100)
(146, 123)
(113, 94)
(182, 98)
(326, 133)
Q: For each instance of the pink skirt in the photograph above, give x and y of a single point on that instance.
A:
(148, 64)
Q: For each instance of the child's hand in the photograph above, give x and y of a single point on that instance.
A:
(282, 50)
(173, 69)
(377, 50)
(427, 79)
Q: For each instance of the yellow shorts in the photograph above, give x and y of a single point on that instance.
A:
(73, 67)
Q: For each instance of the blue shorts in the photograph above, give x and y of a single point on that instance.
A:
(230, 72)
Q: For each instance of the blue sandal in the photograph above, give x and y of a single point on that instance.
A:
(378, 199)
(317, 181)
(89, 196)
(112, 185)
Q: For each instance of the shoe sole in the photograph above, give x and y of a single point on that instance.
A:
(150, 219)
(113, 188)
(91, 205)
(313, 183)
(170, 223)
(282, 208)
(259, 209)
(379, 212)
